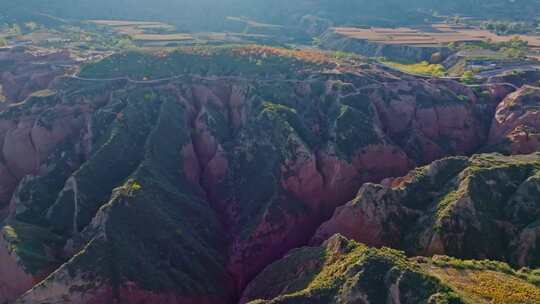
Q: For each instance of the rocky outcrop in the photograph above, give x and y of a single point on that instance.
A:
(516, 126)
(483, 207)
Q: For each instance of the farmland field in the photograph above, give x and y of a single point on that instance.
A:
(160, 34)
(435, 35)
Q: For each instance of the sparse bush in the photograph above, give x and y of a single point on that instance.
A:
(467, 77)
(463, 98)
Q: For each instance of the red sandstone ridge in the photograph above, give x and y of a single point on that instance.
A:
(448, 208)
(516, 126)
(366, 144)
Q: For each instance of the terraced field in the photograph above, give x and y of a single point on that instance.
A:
(159, 34)
(436, 35)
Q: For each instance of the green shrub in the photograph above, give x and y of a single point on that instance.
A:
(468, 77)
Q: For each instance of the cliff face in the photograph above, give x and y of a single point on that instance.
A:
(516, 127)
(182, 189)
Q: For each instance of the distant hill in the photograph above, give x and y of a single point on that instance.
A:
(212, 13)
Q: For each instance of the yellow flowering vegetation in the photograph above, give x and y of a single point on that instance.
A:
(487, 286)
(422, 68)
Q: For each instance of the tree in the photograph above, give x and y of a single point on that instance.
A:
(518, 43)
(3, 41)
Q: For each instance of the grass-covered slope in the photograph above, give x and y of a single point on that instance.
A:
(239, 61)
(485, 281)
(205, 14)
(343, 271)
